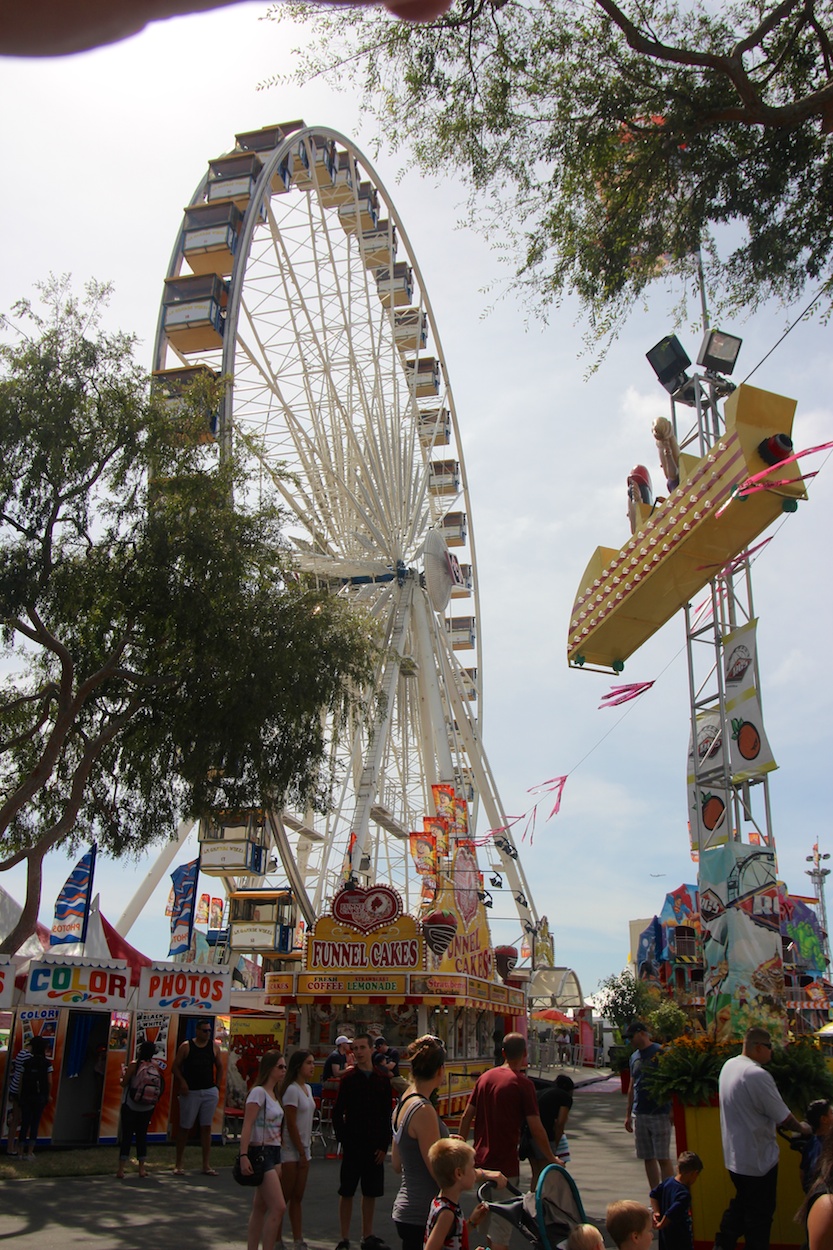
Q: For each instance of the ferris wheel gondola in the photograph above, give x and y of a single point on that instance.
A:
(293, 277)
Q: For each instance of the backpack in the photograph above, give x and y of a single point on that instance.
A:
(147, 1084)
(34, 1081)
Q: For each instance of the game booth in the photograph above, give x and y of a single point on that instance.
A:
(93, 1014)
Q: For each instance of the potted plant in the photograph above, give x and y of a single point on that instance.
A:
(619, 1060)
(687, 1072)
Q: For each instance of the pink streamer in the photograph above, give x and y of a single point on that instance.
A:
(746, 490)
(739, 559)
(743, 489)
(623, 694)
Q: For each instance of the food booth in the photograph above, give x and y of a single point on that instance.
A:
(369, 967)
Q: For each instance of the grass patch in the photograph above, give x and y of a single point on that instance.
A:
(103, 1160)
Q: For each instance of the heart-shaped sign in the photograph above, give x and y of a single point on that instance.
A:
(369, 909)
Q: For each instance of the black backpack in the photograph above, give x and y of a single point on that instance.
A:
(34, 1080)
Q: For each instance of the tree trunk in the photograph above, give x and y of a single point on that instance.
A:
(25, 926)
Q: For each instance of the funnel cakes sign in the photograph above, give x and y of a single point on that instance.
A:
(366, 931)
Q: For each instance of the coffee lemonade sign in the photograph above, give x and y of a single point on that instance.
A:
(185, 987)
(78, 983)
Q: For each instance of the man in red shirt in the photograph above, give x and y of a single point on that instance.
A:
(500, 1102)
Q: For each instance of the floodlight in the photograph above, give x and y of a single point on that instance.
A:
(719, 351)
(669, 362)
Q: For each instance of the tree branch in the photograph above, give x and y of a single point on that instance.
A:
(59, 830)
(754, 111)
(769, 23)
(64, 722)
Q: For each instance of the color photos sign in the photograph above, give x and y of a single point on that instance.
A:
(185, 987)
(80, 983)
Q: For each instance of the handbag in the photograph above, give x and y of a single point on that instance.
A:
(257, 1157)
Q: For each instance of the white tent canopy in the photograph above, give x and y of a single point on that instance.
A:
(560, 986)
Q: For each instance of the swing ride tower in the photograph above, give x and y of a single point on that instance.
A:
(725, 453)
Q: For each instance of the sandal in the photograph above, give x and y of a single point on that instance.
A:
(179, 1171)
(209, 1172)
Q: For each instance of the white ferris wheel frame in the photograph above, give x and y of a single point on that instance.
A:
(417, 638)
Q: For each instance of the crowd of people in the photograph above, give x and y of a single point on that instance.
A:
(752, 1112)
(376, 1110)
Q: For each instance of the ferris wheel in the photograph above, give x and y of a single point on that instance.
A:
(292, 275)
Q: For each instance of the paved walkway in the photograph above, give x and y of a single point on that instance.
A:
(100, 1213)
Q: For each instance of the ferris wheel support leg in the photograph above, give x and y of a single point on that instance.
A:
(290, 865)
(487, 790)
(157, 871)
(431, 711)
(369, 781)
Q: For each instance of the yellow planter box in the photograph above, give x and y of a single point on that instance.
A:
(698, 1129)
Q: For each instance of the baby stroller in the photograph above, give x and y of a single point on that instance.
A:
(547, 1216)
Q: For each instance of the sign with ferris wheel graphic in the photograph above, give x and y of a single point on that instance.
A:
(740, 915)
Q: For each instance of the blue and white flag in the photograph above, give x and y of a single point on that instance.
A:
(72, 906)
(185, 897)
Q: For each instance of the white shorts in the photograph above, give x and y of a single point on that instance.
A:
(198, 1104)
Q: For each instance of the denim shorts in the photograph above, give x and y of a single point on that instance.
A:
(271, 1156)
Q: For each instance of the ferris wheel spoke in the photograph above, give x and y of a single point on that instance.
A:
(307, 450)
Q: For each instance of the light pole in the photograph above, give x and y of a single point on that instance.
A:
(817, 875)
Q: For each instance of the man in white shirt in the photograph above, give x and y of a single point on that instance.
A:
(750, 1111)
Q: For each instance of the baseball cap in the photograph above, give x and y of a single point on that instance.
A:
(341, 1040)
(380, 1041)
(636, 1027)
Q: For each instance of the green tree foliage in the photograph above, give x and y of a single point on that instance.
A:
(159, 657)
(602, 144)
(622, 999)
(667, 1021)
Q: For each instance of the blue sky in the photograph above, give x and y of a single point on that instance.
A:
(104, 151)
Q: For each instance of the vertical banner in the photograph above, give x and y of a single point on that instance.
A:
(749, 749)
(443, 796)
(423, 847)
(740, 918)
(347, 866)
(202, 909)
(72, 906)
(709, 805)
(437, 827)
(182, 913)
